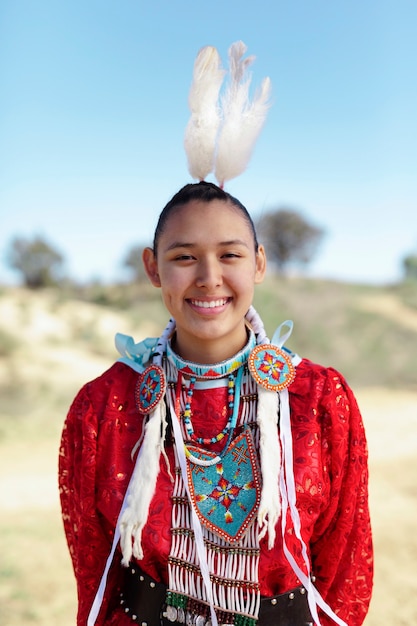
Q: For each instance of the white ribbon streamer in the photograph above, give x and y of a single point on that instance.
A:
(289, 499)
(98, 600)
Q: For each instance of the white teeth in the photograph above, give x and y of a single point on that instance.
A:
(209, 305)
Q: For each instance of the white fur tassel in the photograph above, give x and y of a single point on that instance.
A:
(242, 119)
(270, 454)
(142, 486)
(202, 128)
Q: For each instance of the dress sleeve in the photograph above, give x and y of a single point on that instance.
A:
(341, 546)
(88, 543)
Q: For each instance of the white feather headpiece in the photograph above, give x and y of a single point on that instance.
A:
(203, 126)
(222, 131)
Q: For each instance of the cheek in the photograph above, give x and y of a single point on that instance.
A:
(244, 284)
(174, 281)
(244, 278)
(170, 301)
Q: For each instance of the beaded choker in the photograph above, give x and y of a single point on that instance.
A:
(212, 370)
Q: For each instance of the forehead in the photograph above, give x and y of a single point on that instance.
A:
(216, 218)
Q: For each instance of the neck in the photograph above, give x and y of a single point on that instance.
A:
(208, 351)
(211, 369)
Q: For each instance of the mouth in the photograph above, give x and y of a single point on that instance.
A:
(209, 304)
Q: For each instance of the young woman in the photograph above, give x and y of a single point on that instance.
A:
(212, 476)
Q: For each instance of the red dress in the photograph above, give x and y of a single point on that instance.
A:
(330, 468)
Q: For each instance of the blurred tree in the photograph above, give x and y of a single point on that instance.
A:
(289, 238)
(410, 266)
(37, 261)
(133, 261)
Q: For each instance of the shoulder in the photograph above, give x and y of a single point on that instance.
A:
(320, 386)
(113, 389)
(312, 376)
(323, 394)
(118, 376)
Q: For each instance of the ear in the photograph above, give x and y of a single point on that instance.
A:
(151, 266)
(260, 265)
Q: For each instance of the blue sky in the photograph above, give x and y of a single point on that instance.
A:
(94, 106)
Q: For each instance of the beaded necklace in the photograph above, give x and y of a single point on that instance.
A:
(187, 413)
(233, 410)
(211, 371)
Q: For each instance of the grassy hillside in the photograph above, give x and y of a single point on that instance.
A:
(368, 333)
(52, 342)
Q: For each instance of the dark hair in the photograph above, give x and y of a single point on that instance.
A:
(203, 192)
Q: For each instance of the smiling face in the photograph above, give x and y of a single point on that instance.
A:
(207, 267)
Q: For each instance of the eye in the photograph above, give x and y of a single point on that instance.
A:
(183, 257)
(231, 255)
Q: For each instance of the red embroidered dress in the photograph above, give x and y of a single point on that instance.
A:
(330, 469)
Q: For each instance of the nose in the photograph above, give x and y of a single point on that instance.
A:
(209, 273)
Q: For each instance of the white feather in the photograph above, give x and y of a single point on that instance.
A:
(202, 128)
(242, 119)
(142, 486)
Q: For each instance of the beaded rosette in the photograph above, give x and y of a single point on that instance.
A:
(271, 367)
(150, 388)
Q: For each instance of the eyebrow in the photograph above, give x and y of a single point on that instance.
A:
(221, 244)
